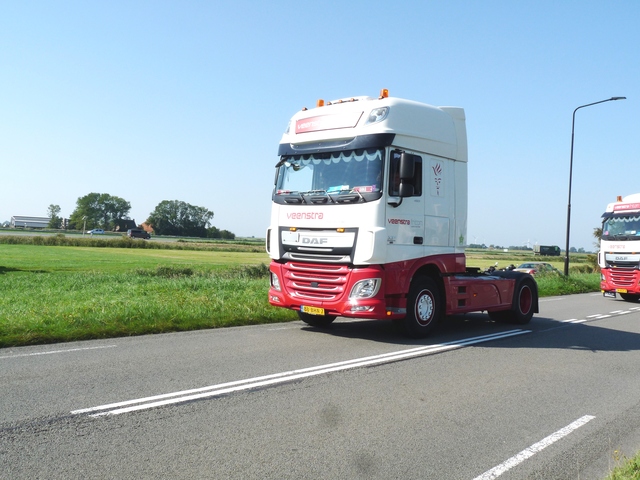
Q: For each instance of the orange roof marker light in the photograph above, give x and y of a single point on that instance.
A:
(384, 93)
(320, 103)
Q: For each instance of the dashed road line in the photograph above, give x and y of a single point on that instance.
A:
(533, 449)
(600, 316)
(52, 352)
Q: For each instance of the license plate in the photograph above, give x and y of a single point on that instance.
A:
(621, 290)
(312, 310)
(609, 294)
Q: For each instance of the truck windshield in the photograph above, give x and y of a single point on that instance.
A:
(621, 228)
(356, 172)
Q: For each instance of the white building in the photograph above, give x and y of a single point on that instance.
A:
(21, 221)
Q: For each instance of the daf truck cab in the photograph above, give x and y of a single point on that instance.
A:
(369, 218)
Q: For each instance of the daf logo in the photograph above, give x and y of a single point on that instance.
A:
(315, 241)
(621, 258)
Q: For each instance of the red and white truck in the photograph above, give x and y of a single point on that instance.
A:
(369, 219)
(619, 255)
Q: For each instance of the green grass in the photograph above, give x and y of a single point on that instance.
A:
(105, 288)
(56, 294)
(47, 259)
(627, 468)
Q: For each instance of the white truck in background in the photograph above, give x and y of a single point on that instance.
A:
(369, 219)
(619, 255)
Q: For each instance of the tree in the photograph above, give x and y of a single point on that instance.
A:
(214, 232)
(53, 212)
(597, 234)
(174, 217)
(99, 210)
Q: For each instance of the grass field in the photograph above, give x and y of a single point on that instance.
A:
(54, 294)
(63, 293)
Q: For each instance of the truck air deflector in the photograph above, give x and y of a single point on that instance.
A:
(633, 213)
(359, 142)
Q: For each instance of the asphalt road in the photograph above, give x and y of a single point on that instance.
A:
(554, 399)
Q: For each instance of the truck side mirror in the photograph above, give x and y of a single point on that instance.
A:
(407, 174)
(406, 189)
(407, 166)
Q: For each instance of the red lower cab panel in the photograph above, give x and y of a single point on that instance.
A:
(326, 286)
(621, 280)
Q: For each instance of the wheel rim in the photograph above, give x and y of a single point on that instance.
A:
(425, 305)
(526, 299)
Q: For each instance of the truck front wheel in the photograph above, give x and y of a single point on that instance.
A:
(424, 307)
(316, 320)
(630, 297)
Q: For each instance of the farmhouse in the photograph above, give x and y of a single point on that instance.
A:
(21, 221)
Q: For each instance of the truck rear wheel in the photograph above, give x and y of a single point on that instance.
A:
(316, 320)
(523, 302)
(523, 306)
(424, 307)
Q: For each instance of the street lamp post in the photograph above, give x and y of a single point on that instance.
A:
(573, 123)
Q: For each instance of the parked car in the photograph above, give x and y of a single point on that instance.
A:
(138, 233)
(534, 268)
(96, 231)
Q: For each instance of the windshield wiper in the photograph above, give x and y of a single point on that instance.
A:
(319, 192)
(359, 194)
(294, 197)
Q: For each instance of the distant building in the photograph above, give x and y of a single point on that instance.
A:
(21, 221)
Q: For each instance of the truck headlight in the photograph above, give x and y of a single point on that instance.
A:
(377, 115)
(365, 288)
(275, 282)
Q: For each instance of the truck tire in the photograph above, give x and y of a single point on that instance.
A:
(524, 301)
(523, 306)
(630, 297)
(316, 320)
(424, 307)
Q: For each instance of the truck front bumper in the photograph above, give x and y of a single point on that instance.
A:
(331, 289)
(620, 280)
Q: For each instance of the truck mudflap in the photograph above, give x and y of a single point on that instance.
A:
(495, 292)
(520, 279)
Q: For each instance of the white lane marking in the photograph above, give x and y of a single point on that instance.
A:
(51, 352)
(533, 449)
(600, 316)
(257, 382)
(552, 299)
(574, 320)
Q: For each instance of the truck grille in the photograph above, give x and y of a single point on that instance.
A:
(314, 281)
(624, 277)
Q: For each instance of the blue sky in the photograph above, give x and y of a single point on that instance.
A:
(187, 100)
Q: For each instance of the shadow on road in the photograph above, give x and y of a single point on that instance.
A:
(545, 333)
